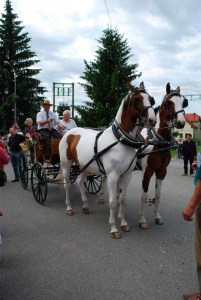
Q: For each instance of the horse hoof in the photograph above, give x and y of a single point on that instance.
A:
(159, 221)
(101, 201)
(125, 228)
(115, 235)
(143, 225)
(69, 212)
(85, 210)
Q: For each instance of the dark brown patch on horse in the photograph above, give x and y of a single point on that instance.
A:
(132, 105)
(156, 163)
(72, 141)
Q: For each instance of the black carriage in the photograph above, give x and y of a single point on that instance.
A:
(41, 171)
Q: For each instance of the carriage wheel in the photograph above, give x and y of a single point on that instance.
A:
(93, 183)
(39, 183)
(74, 172)
(23, 170)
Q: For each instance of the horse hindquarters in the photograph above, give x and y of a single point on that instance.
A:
(80, 182)
(65, 169)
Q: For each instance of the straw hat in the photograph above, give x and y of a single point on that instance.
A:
(47, 102)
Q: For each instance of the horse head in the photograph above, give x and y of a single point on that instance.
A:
(138, 107)
(173, 107)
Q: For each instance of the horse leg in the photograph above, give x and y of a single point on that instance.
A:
(122, 188)
(80, 182)
(102, 190)
(158, 184)
(66, 167)
(145, 185)
(112, 184)
(142, 222)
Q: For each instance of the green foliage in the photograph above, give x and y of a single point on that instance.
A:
(61, 107)
(175, 133)
(15, 49)
(106, 80)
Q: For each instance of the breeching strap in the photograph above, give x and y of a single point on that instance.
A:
(98, 154)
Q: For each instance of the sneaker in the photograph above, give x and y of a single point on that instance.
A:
(184, 174)
(192, 297)
(15, 180)
(1, 213)
(192, 175)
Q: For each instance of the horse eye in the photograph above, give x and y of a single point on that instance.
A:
(137, 100)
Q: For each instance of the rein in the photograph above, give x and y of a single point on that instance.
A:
(122, 137)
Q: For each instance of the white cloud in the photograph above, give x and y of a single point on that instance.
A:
(165, 38)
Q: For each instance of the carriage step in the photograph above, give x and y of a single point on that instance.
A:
(53, 173)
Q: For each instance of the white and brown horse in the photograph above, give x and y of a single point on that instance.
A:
(112, 152)
(170, 114)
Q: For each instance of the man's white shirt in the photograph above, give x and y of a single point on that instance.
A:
(69, 125)
(42, 116)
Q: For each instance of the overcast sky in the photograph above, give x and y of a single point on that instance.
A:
(165, 38)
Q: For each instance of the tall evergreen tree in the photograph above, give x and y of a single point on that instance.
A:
(18, 74)
(106, 79)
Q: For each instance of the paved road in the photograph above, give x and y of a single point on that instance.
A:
(47, 255)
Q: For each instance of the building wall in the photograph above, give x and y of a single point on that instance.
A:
(196, 132)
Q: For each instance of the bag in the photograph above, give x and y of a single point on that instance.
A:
(3, 178)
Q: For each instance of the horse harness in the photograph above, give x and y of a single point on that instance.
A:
(137, 143)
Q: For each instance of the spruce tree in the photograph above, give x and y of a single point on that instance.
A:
(106, 79)
(15, 49)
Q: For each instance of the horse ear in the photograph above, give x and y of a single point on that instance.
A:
(168, 88)
(178, 89)
(142, 85)
(131, 87)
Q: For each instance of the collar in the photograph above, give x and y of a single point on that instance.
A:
(125, 138)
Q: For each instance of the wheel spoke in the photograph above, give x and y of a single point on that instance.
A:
(23, 171)
(93, 183)
(39, 183)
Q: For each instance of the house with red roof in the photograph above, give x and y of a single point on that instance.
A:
(193, 126)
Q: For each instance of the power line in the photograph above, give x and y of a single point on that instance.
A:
(193, 97)
(110, 21)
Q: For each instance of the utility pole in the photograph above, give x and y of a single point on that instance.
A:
(15, 88)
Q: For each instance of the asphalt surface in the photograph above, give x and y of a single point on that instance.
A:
(48, 255)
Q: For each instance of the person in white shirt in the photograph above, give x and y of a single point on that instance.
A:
(46, 119)
(66, 122)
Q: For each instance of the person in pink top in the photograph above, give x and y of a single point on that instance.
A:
(4, 160)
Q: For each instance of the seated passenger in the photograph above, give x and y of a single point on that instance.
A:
(31, 129)
(30, 133)
(46, 120)
(67, 122)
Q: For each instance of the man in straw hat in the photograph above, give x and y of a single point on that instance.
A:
(46, 120)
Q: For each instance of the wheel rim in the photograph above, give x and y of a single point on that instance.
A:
(93, 183)
(23, 171)
(39, 183)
